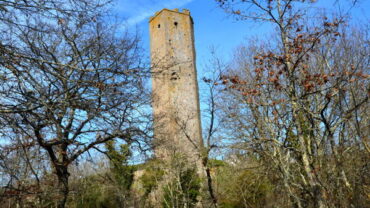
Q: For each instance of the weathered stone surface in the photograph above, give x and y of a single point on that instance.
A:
(175, 87)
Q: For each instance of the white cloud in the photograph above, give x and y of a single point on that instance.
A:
(139, 10)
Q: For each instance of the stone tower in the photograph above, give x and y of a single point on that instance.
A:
(174, 84)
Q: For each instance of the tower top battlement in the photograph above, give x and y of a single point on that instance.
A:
(184, 12)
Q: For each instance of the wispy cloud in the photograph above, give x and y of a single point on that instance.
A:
(139, 10)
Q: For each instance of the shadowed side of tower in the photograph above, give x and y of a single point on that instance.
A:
(175, 88)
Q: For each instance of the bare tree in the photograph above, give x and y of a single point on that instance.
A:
(296, 103)
(213, 141)
(70, 80)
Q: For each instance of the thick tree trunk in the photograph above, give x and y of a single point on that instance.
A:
(314, 186)
(63, 189)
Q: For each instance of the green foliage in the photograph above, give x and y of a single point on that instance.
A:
(109, 189)
(94, 193)
(214, 163)
(183, 190)
(237, 187)
(176, 184)
(152, 175)
(122, 172)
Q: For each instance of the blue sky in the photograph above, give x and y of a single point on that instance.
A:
(214, 28)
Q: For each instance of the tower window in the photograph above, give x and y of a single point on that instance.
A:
(174, 76)
(159, 25)
(175, 23)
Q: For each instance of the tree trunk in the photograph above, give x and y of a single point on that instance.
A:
(63, 189)
(314, 186)
(210, 187)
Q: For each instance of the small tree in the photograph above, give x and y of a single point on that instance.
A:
(122, 172)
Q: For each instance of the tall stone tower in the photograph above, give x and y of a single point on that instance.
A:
(175, 87)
